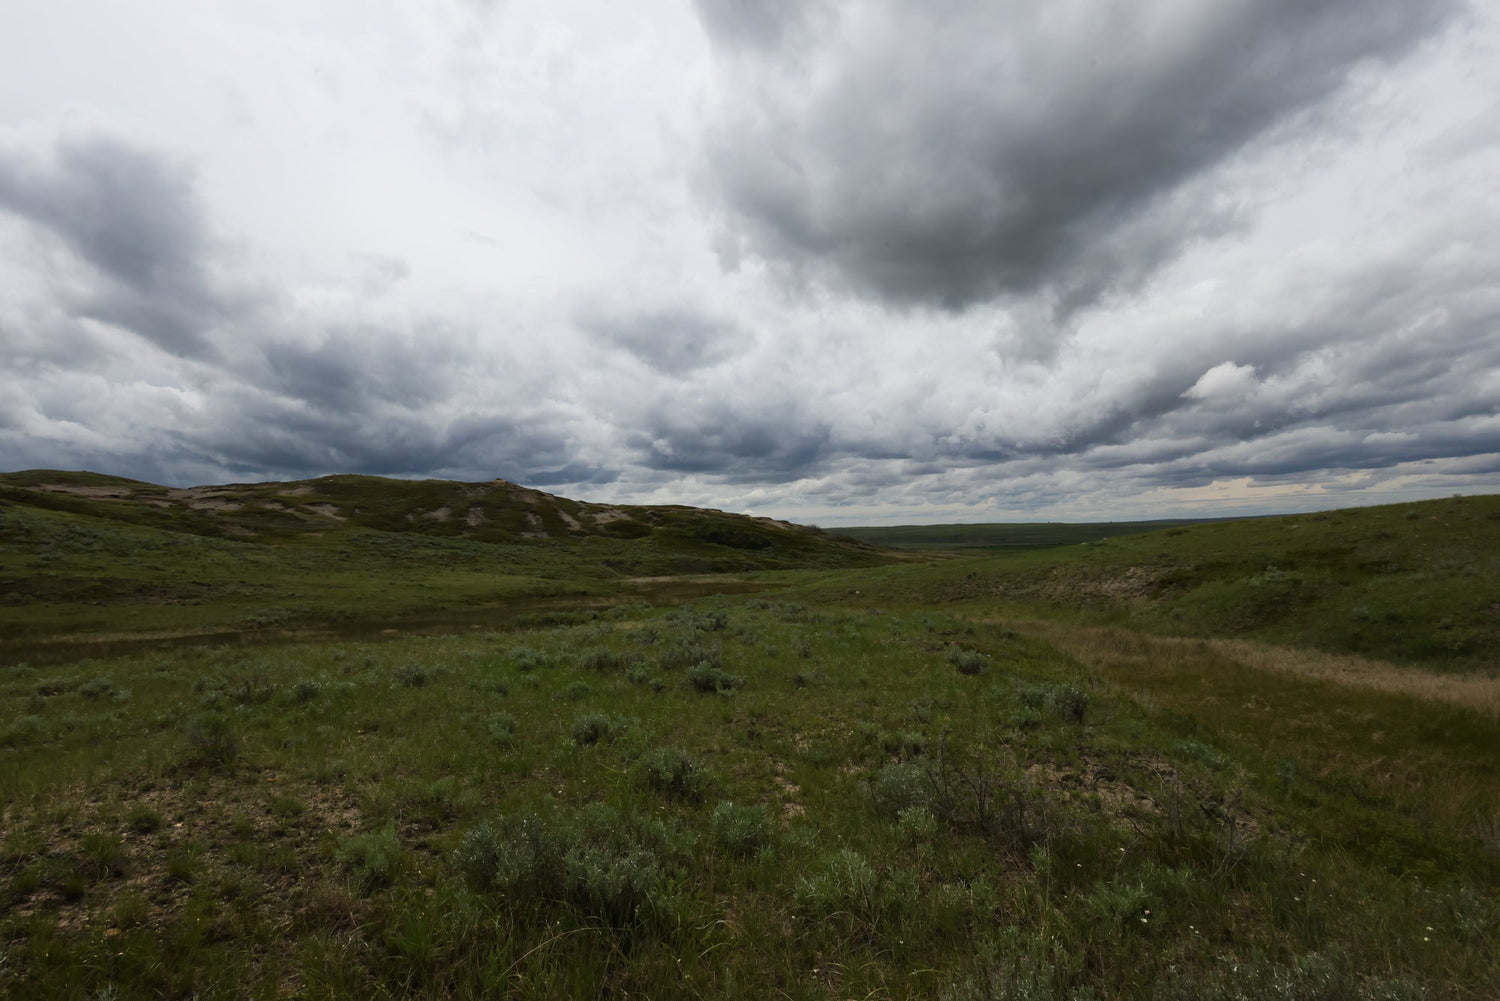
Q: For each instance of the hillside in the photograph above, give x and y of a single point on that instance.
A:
(86, 557)
(1003, 536)
(1411, 583)
(497, 511)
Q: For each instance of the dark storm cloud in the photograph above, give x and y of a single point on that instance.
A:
(134, 216)
(673, 340)
(258, 433)
(354, 367)
(950, 155)
(756, 24)
(740, 443)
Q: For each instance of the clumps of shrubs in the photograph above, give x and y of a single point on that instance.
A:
(619, 868)
(688, 652)
(741, 831)
(597, 728)
(25, 730)
(528, 659)
(708, 620)
(899, 786)
(968, 661)
(103, 689)
(1060, 699)
(712, 679)
(374, 857)
(211, 739)
(603, 659)
(846, 890)
(502, 729)
(414, 675)
(669, 770)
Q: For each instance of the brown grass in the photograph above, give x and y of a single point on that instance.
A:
(1107, 647)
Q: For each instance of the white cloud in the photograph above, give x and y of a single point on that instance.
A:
(1224, 381)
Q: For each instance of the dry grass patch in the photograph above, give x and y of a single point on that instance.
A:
(1108, 647)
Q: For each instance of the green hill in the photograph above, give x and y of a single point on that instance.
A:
(1414, 583)
(1004, 536)
(85, 556)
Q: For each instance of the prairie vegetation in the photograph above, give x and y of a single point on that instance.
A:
(511, 768)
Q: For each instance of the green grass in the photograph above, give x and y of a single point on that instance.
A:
(1410, 583)
(88, 572)
(958, 780)
(1004, 536)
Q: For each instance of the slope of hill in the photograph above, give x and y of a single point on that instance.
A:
(1412, 583)
(84, 555)
(1004, 536)
(497, 511)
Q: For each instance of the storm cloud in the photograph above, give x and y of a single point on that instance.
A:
(131, 215)
(951, 153)
(842, 262)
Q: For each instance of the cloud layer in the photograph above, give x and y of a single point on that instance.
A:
(837, 261)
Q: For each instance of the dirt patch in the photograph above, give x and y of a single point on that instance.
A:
(788, 791)
(474, 517)
(608, 515)
(108, 493)
(327, 511)
(214, 504)
(1160, 794)
(173, 834)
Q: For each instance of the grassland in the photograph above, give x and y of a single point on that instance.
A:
(472, 767)
(1002, 537)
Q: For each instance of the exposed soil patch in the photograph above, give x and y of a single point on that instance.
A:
(170, 835)
(112, 493)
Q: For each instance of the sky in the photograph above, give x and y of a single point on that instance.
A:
(860, 262)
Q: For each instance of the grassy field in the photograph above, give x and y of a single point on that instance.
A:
(1166, 766)
(1002, 537)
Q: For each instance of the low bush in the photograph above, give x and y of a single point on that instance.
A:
(143, 819)
(847, 891)
(25, 730)
(618, 868)
(687, 652)
(604, 659)
(670, 771)
(527, 659)
(741, 831)
(899, 786)
(102, 688)
(968, 661)
(502, 728)
(592, 728)
(413, 675)
(374, 857)
(706, 677)
(1065, 701)
(211, 739)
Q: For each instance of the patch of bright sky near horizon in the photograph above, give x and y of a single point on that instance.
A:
(851, 263)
